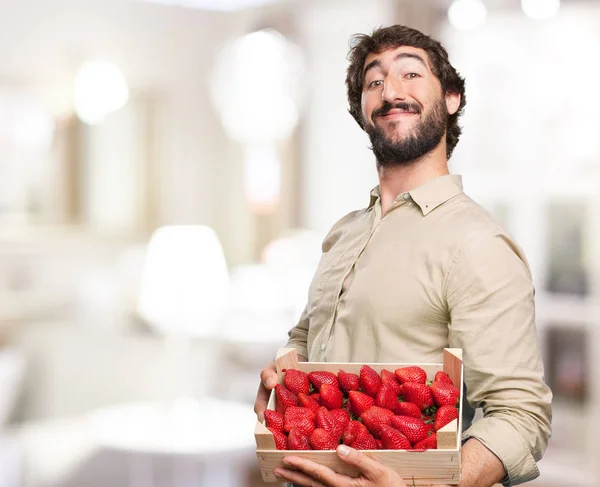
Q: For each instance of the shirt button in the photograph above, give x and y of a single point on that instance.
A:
(406, 196)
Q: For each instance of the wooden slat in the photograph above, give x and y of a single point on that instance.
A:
(453, 365)
(286, 358)
(264, 438)
(428, 467)
(447, 436)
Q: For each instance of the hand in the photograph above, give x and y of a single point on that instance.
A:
(311, 474)
(268, 381)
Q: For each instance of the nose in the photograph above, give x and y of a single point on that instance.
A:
(393, 90)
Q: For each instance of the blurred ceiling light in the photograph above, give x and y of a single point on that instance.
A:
(540, 9)
(467, 14)
(215, 5)
(100, 89)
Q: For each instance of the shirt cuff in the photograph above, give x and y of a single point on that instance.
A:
(299, 347)
(504, 441)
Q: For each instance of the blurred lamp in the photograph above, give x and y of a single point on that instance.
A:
(540, 9)
(184, 282)
(100, 89)
(467, 14)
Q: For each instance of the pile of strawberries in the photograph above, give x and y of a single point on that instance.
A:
(393, 411)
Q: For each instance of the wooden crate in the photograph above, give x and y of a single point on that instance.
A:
(441, 466)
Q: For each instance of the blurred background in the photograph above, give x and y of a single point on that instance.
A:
(168, 169)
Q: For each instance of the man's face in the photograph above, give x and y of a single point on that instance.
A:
(404, 111)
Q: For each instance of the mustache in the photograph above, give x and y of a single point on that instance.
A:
(387, 107)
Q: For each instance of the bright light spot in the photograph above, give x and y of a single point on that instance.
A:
(467, 14)
(540, 9)
(100, 88)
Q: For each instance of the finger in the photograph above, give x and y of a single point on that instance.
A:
(262, 400)
(268, 377)
(372, 469)
(318, 472)
(296, 477)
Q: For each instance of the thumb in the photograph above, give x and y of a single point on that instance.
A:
(372, 469)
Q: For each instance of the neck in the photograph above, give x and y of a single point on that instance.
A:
(395, 180)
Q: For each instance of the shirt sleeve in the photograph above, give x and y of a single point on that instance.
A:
(490, 297)
(298, 336)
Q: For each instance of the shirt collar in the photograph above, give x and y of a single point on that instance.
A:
(431, 194)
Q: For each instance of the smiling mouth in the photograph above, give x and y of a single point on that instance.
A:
(397, 112)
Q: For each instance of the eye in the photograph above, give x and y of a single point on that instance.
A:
(374, 84)
(413, 75)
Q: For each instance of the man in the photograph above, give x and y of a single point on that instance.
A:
(422, 268)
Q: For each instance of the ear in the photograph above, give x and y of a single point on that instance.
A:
(452, 102)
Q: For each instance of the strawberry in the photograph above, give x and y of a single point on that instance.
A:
(359, 402)
(365, 441)
(296, 381)
(392, 439)
(430, 427)
(408, 409)
(429, 443)
(444, 415)
(318, 378)
(321, 439)
(351, 432)
(386, 397)
(300, 418)
(317, 397)
(444, 394)
(411, 374)
(297, 440)
(274, 419)
(285, 398)
(341, 416)
(348, 382)
(331, 397)
(388, 377)
(375, 416)
(441, 376)
(379, 444)
(280, 439)
(308, 401)
(420, 394)
(327, 421)
(414, 429)
(370, 382)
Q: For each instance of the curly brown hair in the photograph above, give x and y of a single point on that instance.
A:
(383, 38)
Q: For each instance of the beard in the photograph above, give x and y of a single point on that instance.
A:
(422, 138)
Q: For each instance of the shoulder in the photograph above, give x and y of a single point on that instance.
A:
(339, 228)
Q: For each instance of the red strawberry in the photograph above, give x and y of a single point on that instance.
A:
(379, 444)
(414, 429)
(274, 419)
(302, 419)
(411, 374)
(318, 378)
(331, 396)
(341, 416)
(444, 394)
(351, 432)
(297, 440)
(285, 398)
(280, 439)
(370, 382)
(430, 427)
(388, 377)
(429, 443)
(348, 382)
(326, 421)
(386, 397)
(441, 376)
(308, 401)
(365, 441)
(375, 416)
(392, 439)
(408, 409)
(317, 397)
(296, 381)
(445, 415)
(321, 439)
(420, 394)
(359, 402)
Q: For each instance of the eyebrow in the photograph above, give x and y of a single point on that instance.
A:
(376, 63)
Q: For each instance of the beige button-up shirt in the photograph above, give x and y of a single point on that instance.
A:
(437, 271)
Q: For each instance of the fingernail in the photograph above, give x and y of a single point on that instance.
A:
(343, 450)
